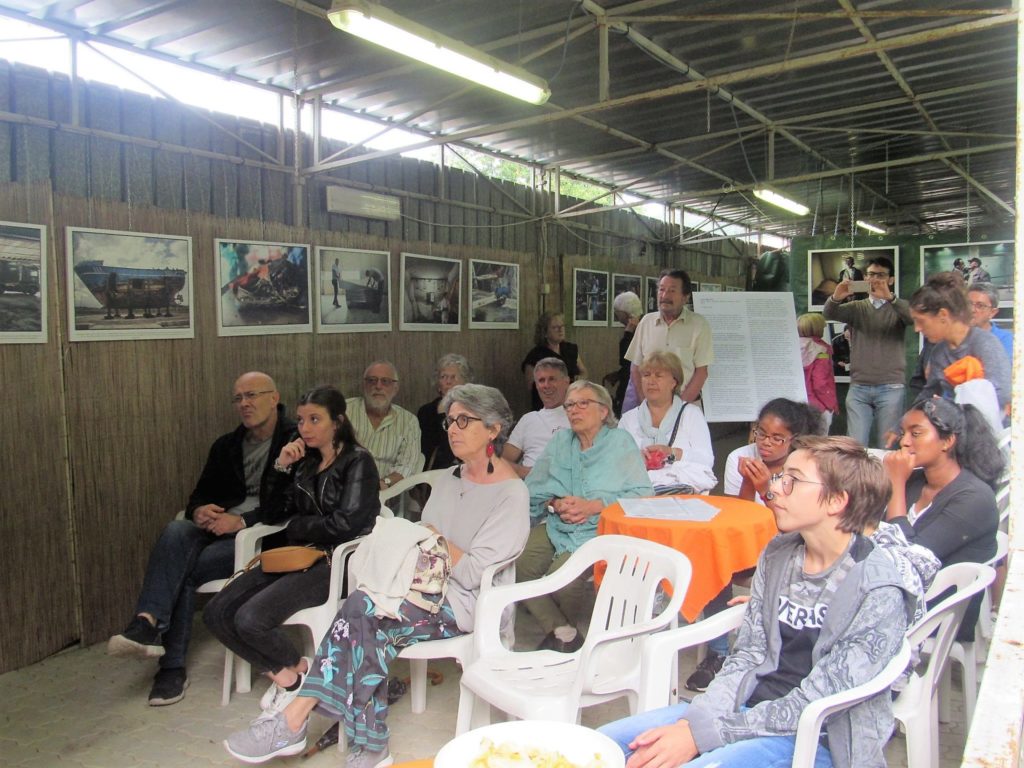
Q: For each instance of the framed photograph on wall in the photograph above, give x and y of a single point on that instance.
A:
(590, 297)
(262, 288)
(828, 267)
(430, 293)
(652, 294)
(353, 290)
(695, 286)
(23, 283)
(493, 294)
(711, 287)
(977, 262)
(733, 289)
(128, 285)
(624, 283)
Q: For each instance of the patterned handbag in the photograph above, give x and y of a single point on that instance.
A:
(433, 569)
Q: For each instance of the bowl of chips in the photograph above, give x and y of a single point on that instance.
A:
(530, 744)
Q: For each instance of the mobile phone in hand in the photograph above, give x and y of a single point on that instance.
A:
(859, 286)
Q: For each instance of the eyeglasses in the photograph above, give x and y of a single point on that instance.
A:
(462, 420)
(776, 440)
(373, 381)
(981, 305)
(786, 482)
(249, 396)
(572, 404)
(877, 275)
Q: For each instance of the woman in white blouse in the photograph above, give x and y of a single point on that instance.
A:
(672, 435)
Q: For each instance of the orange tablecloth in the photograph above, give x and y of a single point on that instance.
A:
(717, 549)
(427, 762)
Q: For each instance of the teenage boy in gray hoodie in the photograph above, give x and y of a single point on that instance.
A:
(828, 610)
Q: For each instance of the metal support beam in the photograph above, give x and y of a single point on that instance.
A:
(719, 81)
(76, 96)
(602, 59)
(298, 180)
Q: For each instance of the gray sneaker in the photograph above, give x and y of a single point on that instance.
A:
(266, 738)
(360, 757)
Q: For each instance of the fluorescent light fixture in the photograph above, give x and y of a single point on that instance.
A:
(377, 24)
(773, 197)
(369, 205)
(870, 227)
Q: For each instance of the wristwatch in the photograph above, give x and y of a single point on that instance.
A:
(386, 481)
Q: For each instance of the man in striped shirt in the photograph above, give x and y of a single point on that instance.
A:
(387, 431)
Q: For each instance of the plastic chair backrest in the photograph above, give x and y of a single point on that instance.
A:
(634, 572)
(941, 621)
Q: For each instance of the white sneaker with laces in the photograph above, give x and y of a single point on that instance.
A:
(271, 700)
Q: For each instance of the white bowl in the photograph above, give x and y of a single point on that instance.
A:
(576, 743)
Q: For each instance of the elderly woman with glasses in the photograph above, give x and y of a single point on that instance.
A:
(672, 435)
(582, 470)
(451, 371)
(481, 508)
(943, 477)
(549, 341)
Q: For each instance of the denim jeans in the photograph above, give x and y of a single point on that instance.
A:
(880, 404)
(763, 752)
(184, 557)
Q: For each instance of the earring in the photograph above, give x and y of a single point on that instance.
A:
(490, 453)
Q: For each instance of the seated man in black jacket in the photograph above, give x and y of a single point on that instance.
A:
(238, 488)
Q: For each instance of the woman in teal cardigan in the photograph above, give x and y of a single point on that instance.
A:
(582, 471)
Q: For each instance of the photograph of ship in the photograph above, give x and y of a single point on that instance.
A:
(493, 294)
(430, 293)
(353, 290)
(129, 285)
(22, 283)
(262, 288)
(590, 290)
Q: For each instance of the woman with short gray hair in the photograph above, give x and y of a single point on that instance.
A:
(582, 470)
(451, 370)
(628, 310)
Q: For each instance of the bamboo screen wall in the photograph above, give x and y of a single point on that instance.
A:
(106, 439)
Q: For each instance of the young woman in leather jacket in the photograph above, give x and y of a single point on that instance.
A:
(333, 498)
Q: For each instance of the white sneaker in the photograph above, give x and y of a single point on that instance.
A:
(270, 701)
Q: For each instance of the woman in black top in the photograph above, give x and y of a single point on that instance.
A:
(549, 340)
(451, 371)
(334, 498)
(942, 486)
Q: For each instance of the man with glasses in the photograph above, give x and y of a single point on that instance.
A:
(238, 487)
(674, 328)
(535, 430)
(984, 301)
(877, 355)
(390, 433)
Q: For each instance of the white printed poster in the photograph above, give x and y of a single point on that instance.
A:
(757, 355)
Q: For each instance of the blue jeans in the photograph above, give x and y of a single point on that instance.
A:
(762, 752)
(184, 557)
(881, 404)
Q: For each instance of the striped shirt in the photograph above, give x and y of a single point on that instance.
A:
(395, 444)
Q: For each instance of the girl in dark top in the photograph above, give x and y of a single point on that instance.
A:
(451, 371)
(334, 498)
(942, 486)
(549, 341)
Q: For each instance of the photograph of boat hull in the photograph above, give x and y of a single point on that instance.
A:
(263, 288)
(129, 285)
(22, 284)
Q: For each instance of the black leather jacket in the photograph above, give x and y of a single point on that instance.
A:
(336, 505)
(223, 479)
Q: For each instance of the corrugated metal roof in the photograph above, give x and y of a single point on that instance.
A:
(935, 101)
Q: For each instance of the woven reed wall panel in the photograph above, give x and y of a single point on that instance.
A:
(37, 601)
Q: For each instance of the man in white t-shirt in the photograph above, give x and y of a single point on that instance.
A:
(533, 432)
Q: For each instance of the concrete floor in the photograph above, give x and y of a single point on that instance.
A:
(84, 708)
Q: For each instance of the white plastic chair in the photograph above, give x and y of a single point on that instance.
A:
(965, 653)
(813, 717)
(546, 685)
(917, 705)
(459, 647)
(403, 485)
(659, 676)
(399, 488)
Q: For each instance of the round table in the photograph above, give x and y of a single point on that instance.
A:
(717, 549)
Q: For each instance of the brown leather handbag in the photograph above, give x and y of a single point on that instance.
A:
(288, 559)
